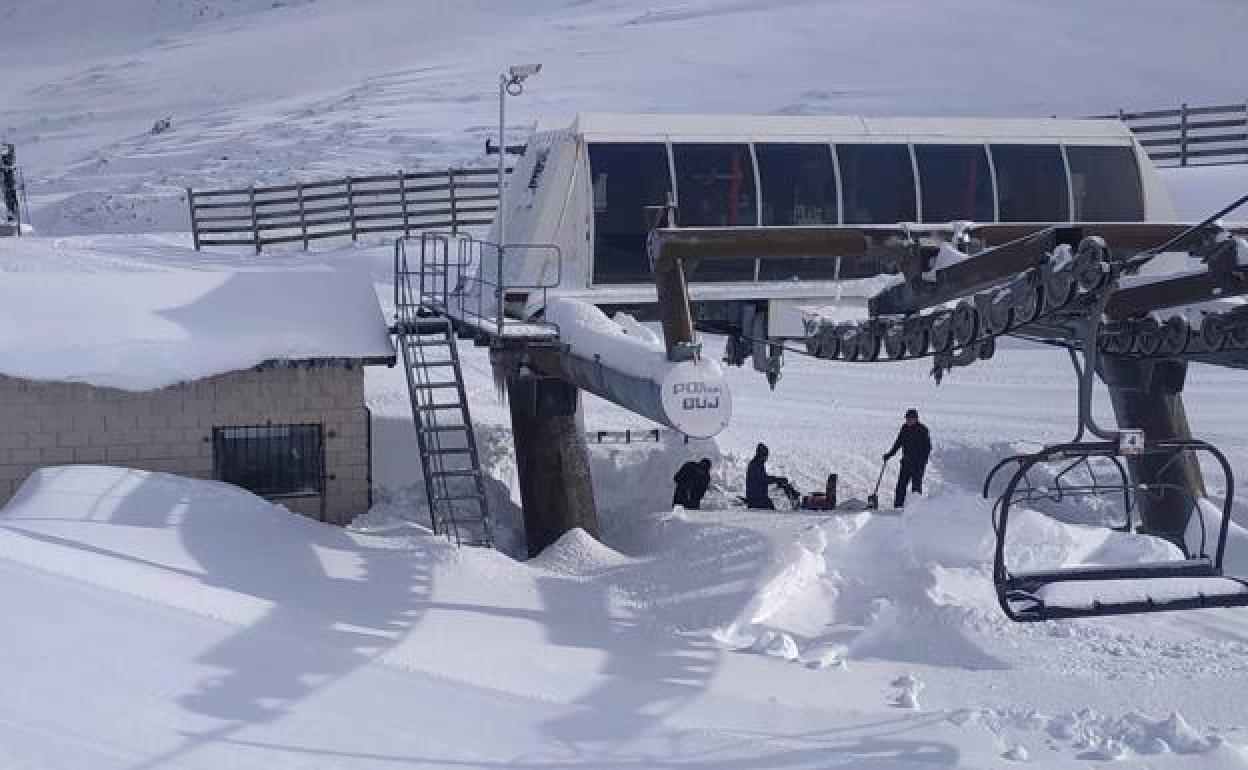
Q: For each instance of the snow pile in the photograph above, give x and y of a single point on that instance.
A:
(907, 689)
(623, 344)
(1091, 735)
(576, 553)
(143, 331)
(248, 629)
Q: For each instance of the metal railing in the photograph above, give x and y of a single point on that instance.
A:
(402, 202)
(1191, 135)
(450, 280)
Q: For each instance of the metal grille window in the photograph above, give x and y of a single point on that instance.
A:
(271, 460)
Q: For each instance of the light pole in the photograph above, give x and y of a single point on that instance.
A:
(509, 84)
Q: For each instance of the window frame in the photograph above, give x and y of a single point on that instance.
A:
(1060, 147)
(1136, 171)
(907, 145)
(295, 482)
(590, 277)
(944, 142)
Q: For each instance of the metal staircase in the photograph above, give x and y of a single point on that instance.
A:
(454, 484)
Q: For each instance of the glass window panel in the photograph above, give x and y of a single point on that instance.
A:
(1106, 185)
(715, 188)
(955, 182)
(1031, 183)
(877, 181)
(626, 179)
(798, 187)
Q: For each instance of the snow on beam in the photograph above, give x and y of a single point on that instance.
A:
(625, 363)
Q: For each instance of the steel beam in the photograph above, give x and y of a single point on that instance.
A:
(691, 396)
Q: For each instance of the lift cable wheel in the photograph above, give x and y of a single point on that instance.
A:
(1194, 582)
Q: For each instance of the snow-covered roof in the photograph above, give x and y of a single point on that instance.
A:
(620, 127)
(146, 330)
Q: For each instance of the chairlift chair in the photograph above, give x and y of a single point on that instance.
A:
(1194, 582)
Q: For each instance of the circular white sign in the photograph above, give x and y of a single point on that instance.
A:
(696, 398)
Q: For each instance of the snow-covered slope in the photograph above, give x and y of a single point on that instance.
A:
(156, 622)
(171, 623)
(260, 90)
(166, 623)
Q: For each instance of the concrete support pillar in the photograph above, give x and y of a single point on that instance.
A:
(552, 459)
(1148, 396)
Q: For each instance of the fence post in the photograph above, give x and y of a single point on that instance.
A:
(190, 205)
(450, 175)
(303, 219)
(351, 208)
(255, 226)
(407, 227)
(1183, 134)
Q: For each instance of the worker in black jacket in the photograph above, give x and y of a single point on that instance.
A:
(691, 482)
(757, 480)
(915, 445)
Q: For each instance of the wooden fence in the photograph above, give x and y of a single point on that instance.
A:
(336, 208)
(1192, 136)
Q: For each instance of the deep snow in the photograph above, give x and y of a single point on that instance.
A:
(169, 623)
(156, 622)
(143, 331)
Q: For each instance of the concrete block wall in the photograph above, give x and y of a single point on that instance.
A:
(170, 430)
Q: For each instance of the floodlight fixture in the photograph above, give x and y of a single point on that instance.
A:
(522, 71)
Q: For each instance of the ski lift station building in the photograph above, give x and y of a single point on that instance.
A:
(596, 187)
(250, 378)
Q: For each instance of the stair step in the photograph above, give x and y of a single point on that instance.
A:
(449, 451)
(428, 364)
(442, 428)
(419, 343)
(437, 407)
(434, 385)
(460, 497)
(459, 474)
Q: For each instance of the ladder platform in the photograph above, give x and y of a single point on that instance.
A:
(510, 328)
(426, 343)
(429, 325)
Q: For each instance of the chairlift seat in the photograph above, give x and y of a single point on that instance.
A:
(1117, 596)
(1186, 568)
(1085, 591)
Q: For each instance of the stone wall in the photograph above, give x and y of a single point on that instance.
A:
(170, 430)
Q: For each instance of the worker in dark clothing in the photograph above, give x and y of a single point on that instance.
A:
(915, 445)
(691, 482)
(8, 181)
(757, 480)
